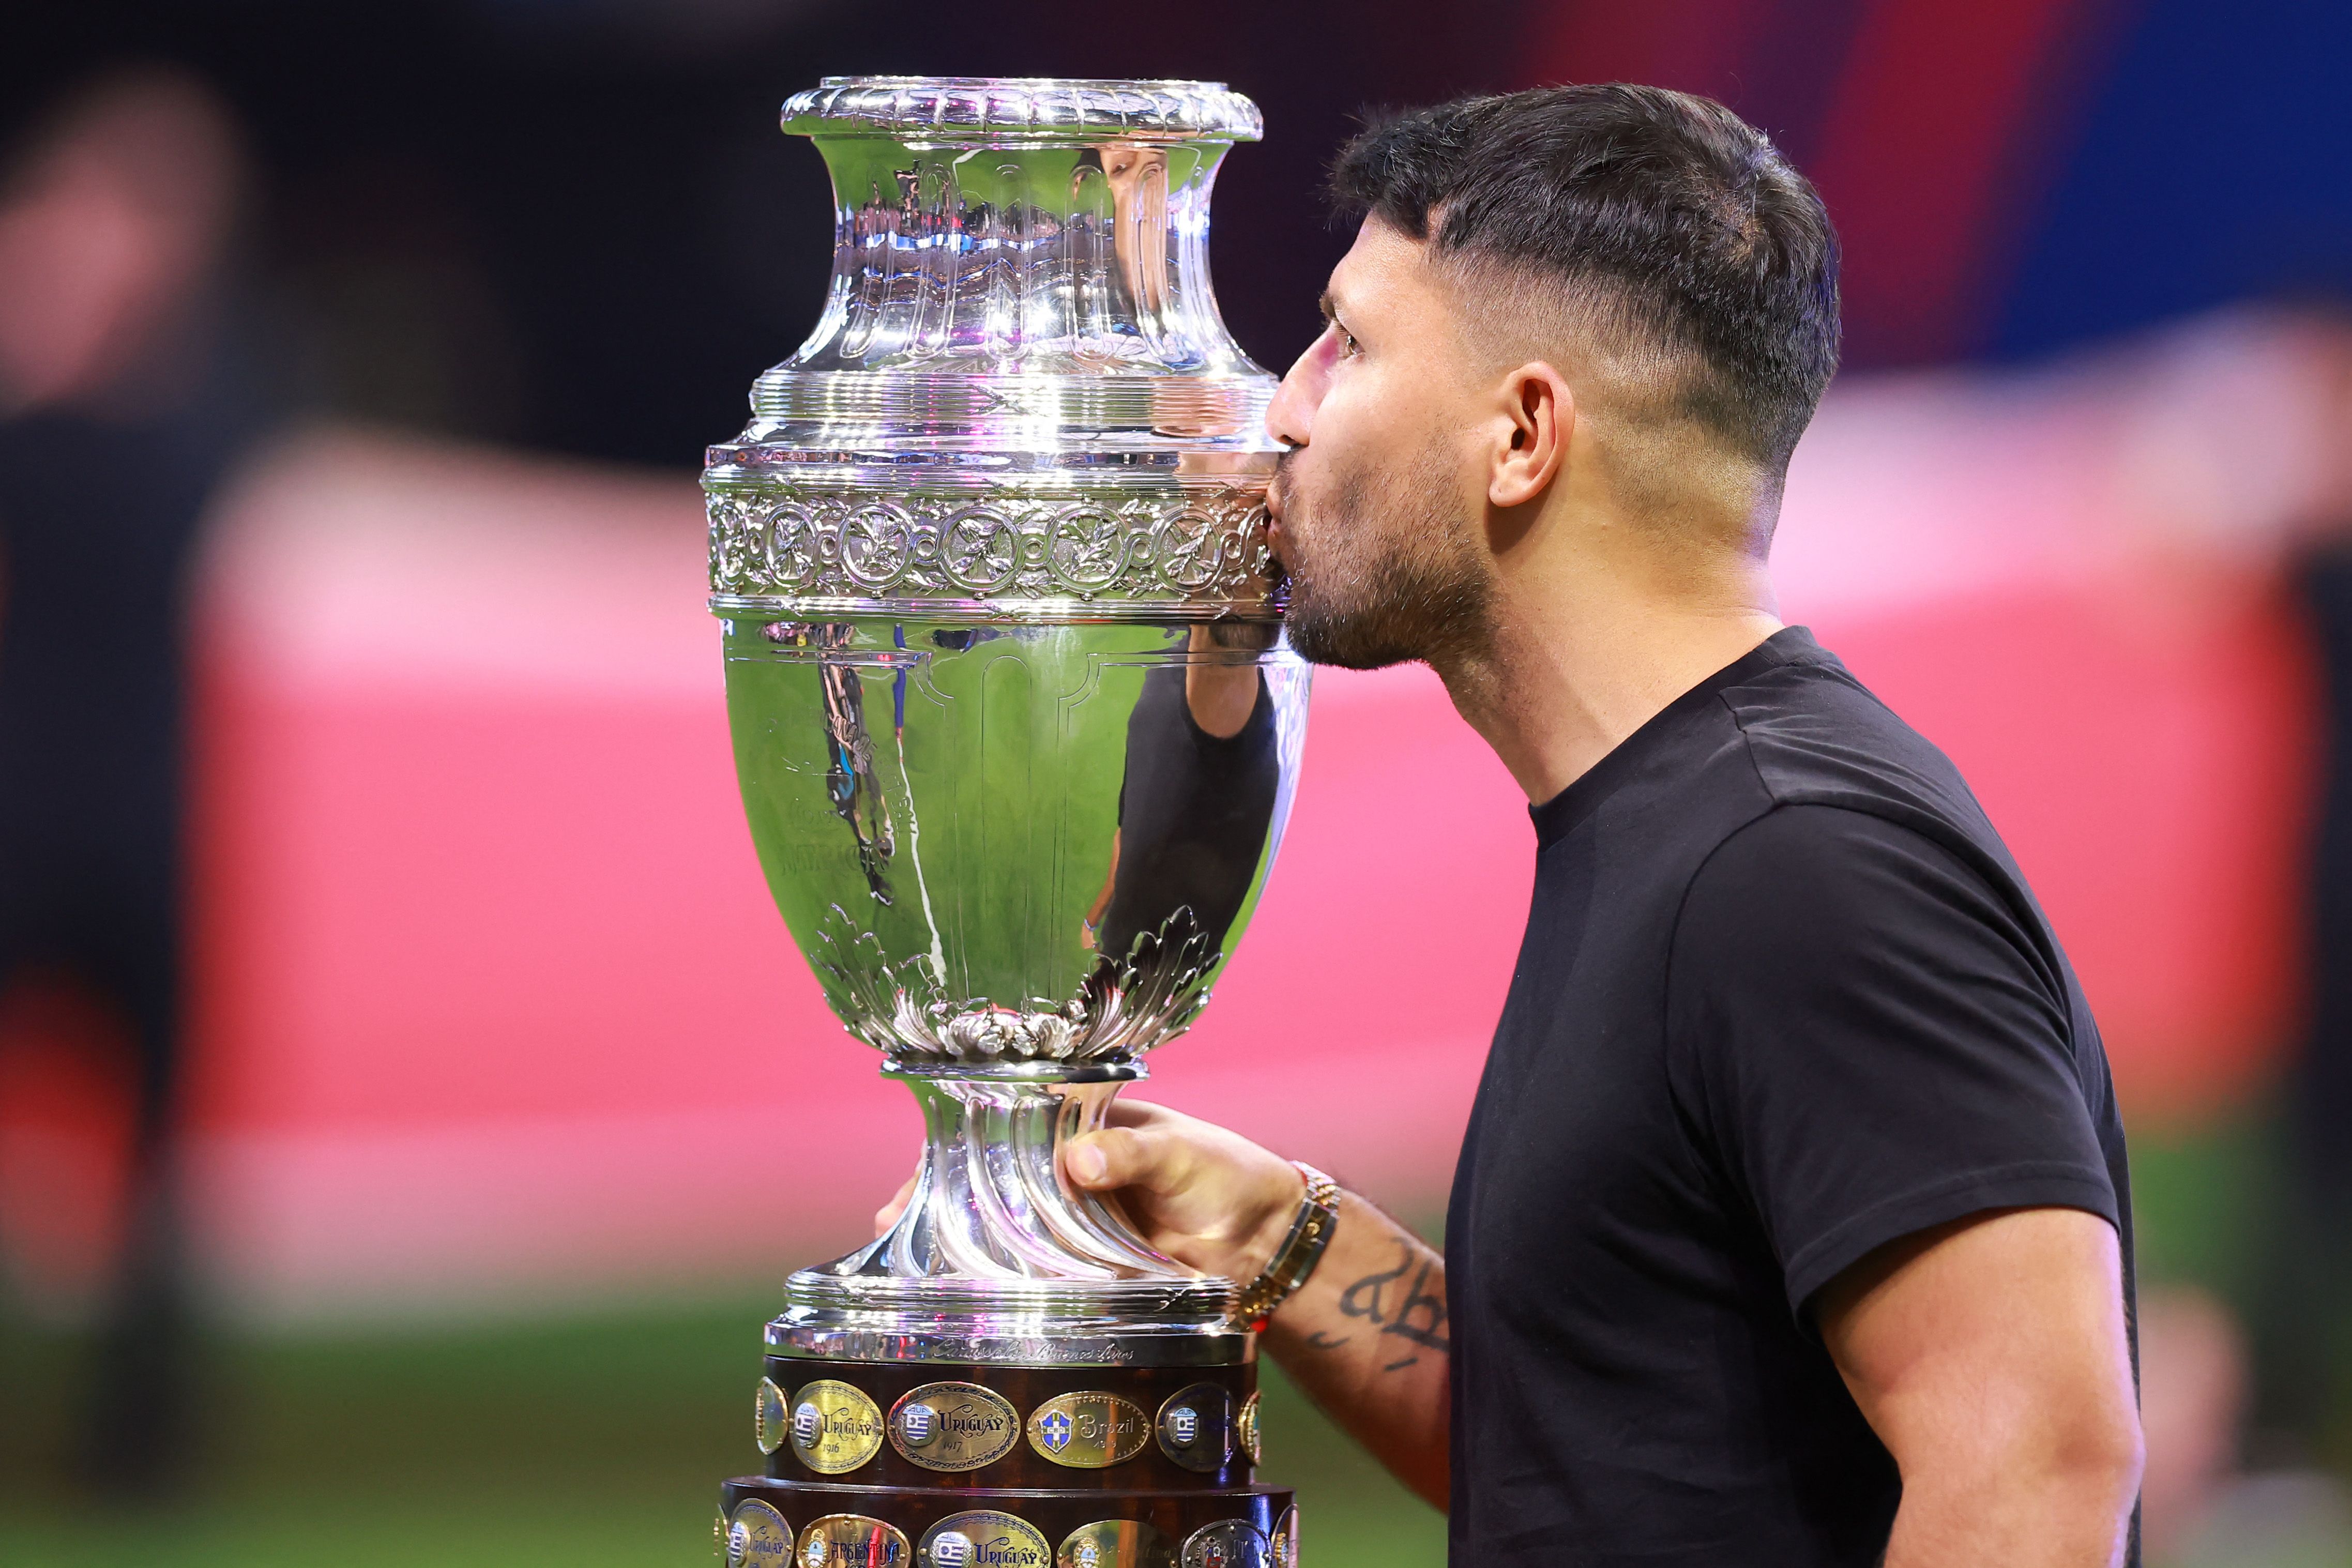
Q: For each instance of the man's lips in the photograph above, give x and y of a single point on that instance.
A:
(1274, 539)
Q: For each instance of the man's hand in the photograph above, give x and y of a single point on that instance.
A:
(1990, 1357)
(1209, 1199)
(1365, 1336)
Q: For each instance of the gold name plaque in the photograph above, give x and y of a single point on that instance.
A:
(954, 1427)
(1246, 1427)
(1089, 1431)
(985, 1539)
(835, 1426)
(1116, 1543)
(759, 1538)
(771, 1420)
(853, 1540)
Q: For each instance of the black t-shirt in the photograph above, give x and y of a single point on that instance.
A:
(1783, 997)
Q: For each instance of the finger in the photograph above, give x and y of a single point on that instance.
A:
(888, 1214)
(1137, 1114)
(1116, 1157)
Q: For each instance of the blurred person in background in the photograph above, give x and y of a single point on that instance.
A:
(126, 395)
(2302, 1383)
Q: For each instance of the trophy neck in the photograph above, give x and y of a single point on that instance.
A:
(1022, 228)
(997, 1260)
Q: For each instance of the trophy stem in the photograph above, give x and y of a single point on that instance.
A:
(991, 1202)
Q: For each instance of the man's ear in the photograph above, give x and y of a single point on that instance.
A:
(1540, 413)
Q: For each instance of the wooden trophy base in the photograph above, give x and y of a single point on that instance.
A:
(932, 1465)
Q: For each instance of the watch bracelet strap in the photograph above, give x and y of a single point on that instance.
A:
(1302, 1248)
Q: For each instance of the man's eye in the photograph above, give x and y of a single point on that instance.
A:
(1347, 344)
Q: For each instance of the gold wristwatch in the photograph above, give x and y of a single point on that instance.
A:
(1301, 1249)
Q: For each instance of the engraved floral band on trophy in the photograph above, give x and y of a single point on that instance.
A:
(1017, 732)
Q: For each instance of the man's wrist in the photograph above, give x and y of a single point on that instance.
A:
(1303, 1244)
(1284, 1191)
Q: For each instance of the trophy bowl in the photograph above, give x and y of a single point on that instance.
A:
(1017, 732)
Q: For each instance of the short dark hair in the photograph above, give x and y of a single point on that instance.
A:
(1669, 216)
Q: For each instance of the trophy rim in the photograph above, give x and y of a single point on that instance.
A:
(989, 109)
(1011, 1322)
(1006, 612)
(902, 78)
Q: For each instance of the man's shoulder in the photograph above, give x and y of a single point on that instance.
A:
(1863, 827)
(1817, 737)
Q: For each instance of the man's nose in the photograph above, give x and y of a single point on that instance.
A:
(1290, 417)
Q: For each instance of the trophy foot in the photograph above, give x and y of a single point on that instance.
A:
(1010, 1377)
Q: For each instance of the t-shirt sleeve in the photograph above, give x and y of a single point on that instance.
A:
(1869, 1043)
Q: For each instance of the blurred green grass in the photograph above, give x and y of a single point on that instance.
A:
(600, 1439)
(583, 1443)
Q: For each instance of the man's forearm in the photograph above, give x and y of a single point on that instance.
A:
(1366, 1337)
(2060, 1518)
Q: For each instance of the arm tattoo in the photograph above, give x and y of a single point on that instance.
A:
(1412, 1313)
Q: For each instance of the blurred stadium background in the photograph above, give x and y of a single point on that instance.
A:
(428, 1212)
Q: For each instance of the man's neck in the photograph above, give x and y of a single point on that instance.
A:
(1573, 669)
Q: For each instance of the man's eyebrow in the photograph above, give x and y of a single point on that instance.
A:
(1329, 305)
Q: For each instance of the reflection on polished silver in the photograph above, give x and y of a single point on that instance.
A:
(1015, 723)
(1195, 1426)
(1228, 1544)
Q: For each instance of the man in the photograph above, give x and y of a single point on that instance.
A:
(1791, 1224)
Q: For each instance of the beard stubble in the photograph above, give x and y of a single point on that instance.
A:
(1386, 575)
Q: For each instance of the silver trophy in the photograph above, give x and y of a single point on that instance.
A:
(1017, 732)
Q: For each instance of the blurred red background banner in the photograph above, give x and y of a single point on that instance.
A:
(492, 999)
